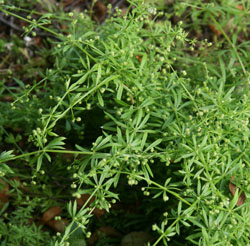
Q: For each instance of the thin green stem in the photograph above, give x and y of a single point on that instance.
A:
(70, 152)
(21, 156)
(75, 103)
(48, 151)
(185, 88)
(230, 42)
(160, 186)
(177, 219)
(163, 234)
(53, 111)
(77, 227)
(30, 90)
(31, 22)
(86, 52)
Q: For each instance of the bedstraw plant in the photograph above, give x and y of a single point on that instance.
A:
(137, 105)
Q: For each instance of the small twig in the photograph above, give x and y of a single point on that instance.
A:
(11, 24)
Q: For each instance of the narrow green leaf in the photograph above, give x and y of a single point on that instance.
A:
(100, 99)
(149, 170)
(144, 139)
(143, 61)
(122, 103)
(145, 120)
(5, 168)
(179, 207)
(204, 213)
(223, 69)
(69, 208)
(74, 209)
(5, 155)
(48, 157)
(39, 162)
(138, 118)
(205, 235)
(119, 92)
(103, 142)
(56, 143)
(154, 144)
(99, 73)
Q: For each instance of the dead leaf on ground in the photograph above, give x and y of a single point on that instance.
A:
(51, 213)
(4, 189)
(58, 225)
(100, 11)
(240, 7)
(139, 58)
(214, 29)
(124, 11)
(106, 230)
(242, 197)
(136, 239)
(127, 207)
(38, 41)
(64, 29)
(3, 200)
(6, 99)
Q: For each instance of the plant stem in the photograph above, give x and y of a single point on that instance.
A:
(26, 20)
(230, 42)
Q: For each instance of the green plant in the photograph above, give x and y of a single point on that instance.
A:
(19, 229)
(132, 113)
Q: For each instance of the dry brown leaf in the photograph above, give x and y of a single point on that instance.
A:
(58, 225)
(240, 7)
(4, 188)
(110, 231)
(51, 213)
(64, 28)
(83, 199)
(128, 207)
(98, 212)
(38, 41)
(242, 197)
(106, 230)
(124, 11)
(136, 239)
(214, 30)
(6, 98)
(3, 200)
(100, 11)
(139, 58)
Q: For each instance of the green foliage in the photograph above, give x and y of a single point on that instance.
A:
(20, 230)
(145, 109)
